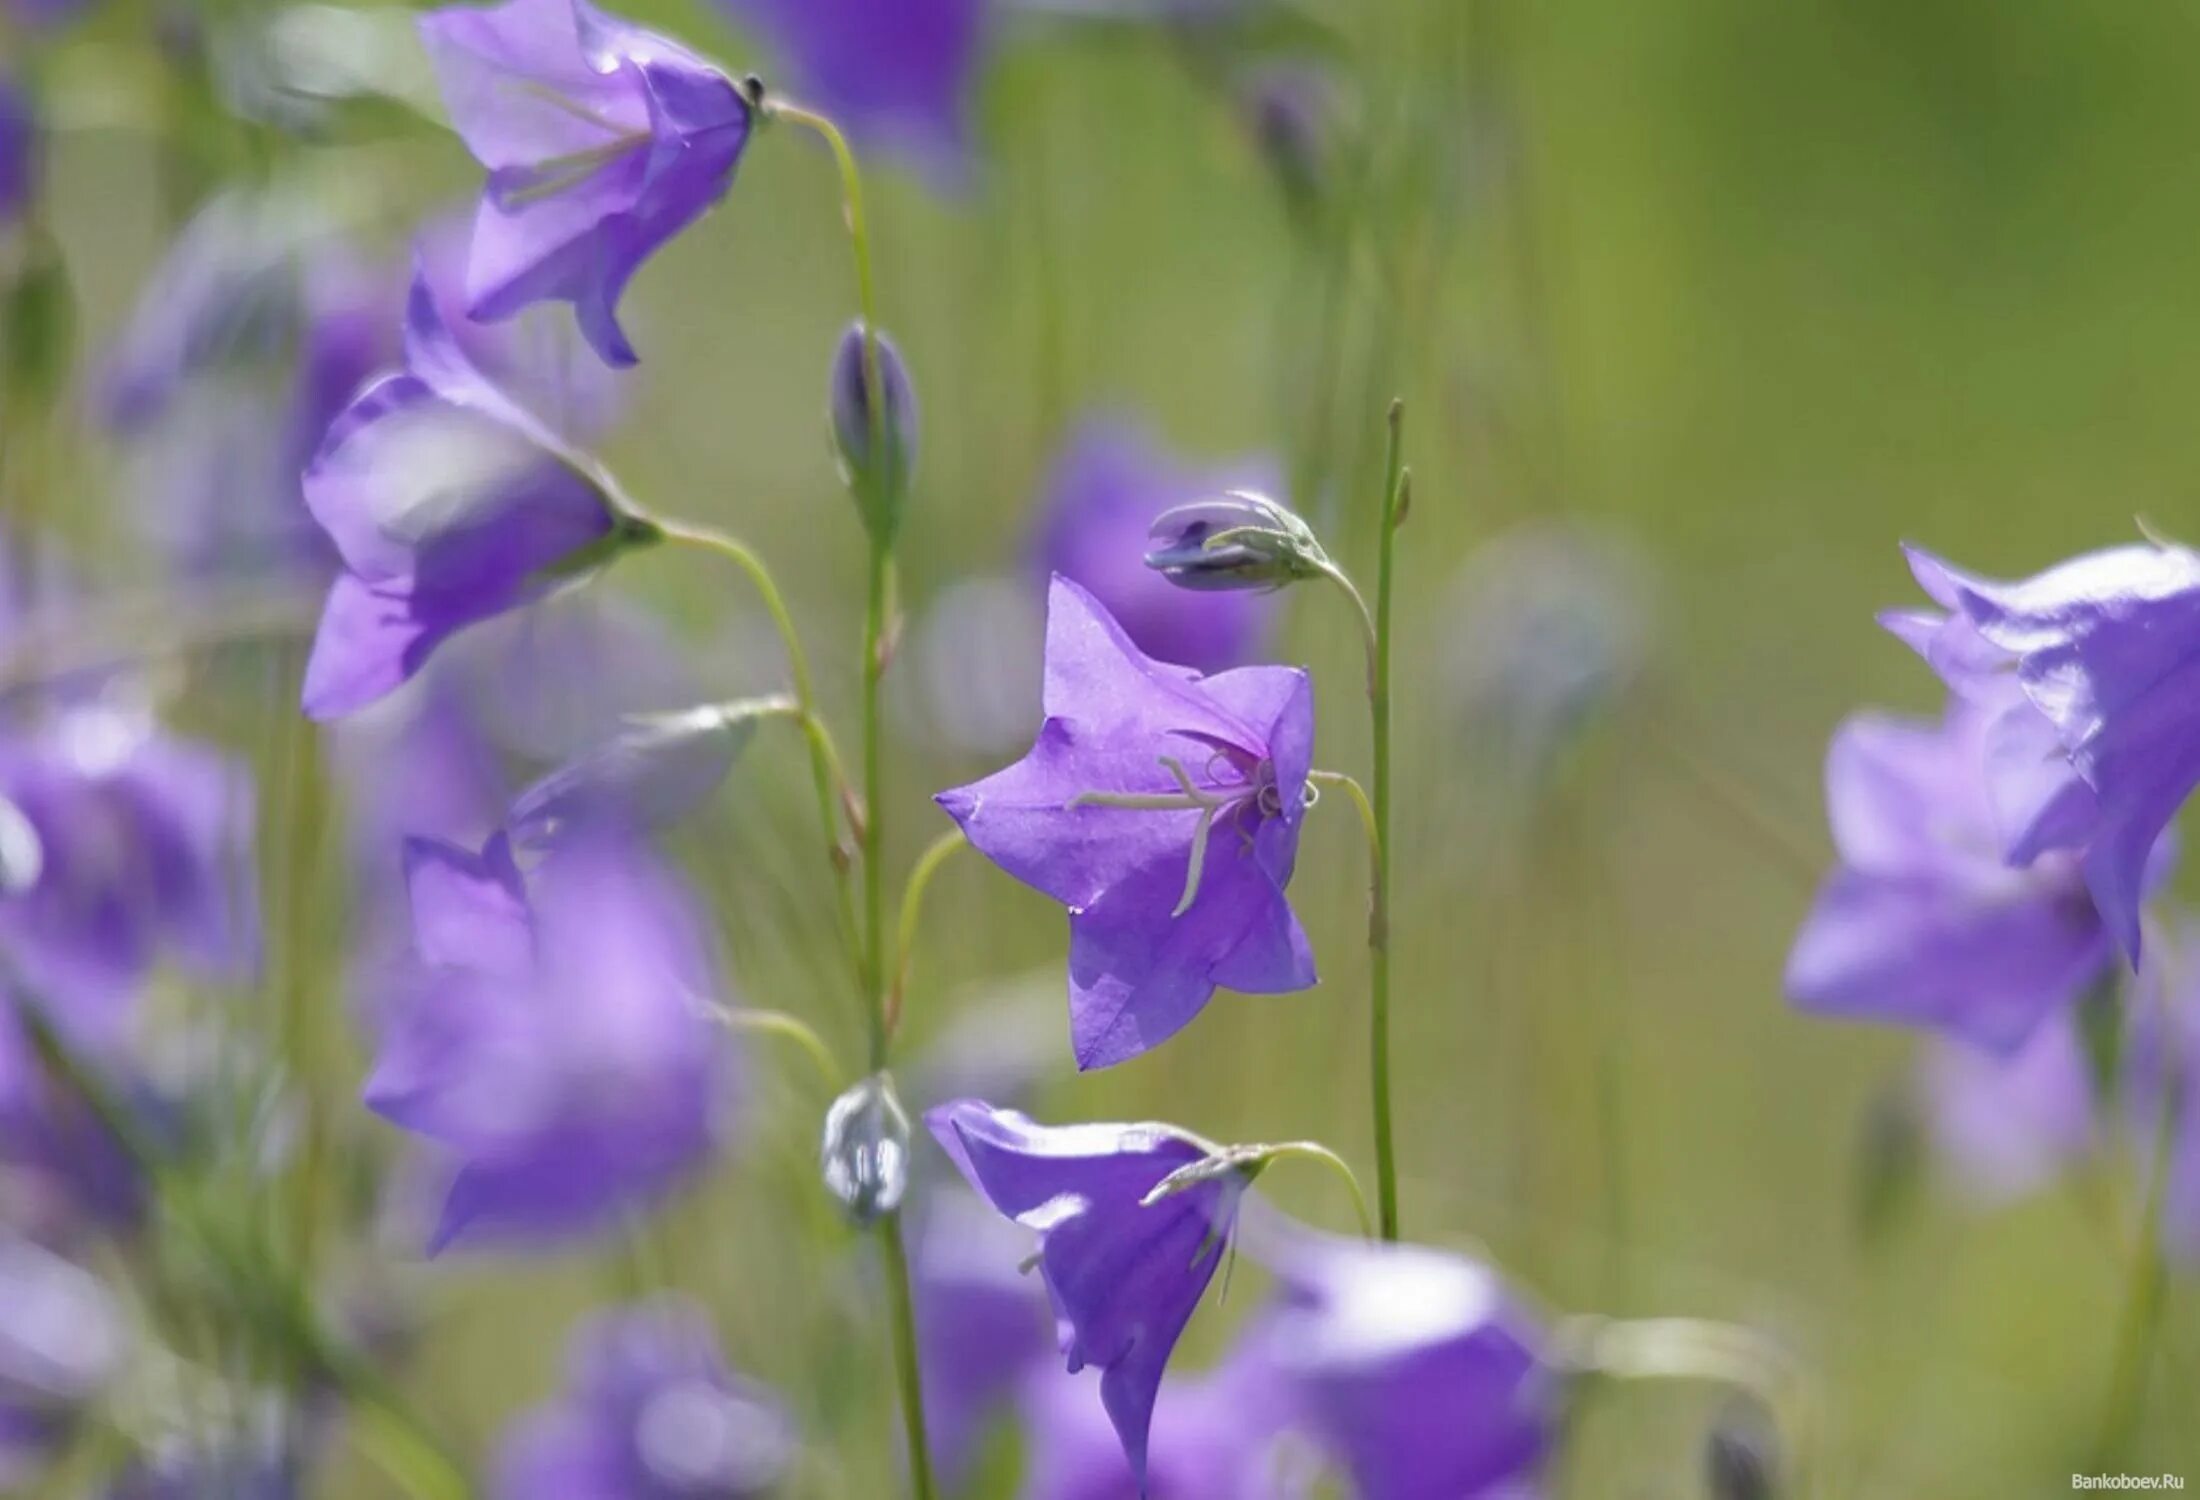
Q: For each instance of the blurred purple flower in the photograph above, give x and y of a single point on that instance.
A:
(553, 1043)
(18, 151)
(650, 1412)
(1108, 484)
(119, 847)
(981, 1325)
(2010, 1124)
(448, 505)
(1124, 1273)
(896, 74)
(1923, 923)
(250, 1447)
(602, 141)
(62, 1170)
(62, 1340)
(2106, 648)
(1417, 1370)
(1182, 889)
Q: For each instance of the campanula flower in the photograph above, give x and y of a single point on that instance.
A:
(896, 74)
(2010, 1124)
(879, 482)
(982, 1325)
(650, 1412)
(553, 1043)
(62, 1340)
(63, 1172)
(448, 505)
(1123, 1266)
(602, 141)
(1108, 485)
(1418, 1371)
(1233, 542)
(2106, 650)
(1923, 922)
(1163, 809)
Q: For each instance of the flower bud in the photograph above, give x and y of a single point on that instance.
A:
(1239, 541)
(865, 1153)
(879, 481)
(649, 776)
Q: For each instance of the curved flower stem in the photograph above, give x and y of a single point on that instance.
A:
(1358, 794)
(912, 907)
(792, 1028)
(1316, 1151)
(2143, 1303)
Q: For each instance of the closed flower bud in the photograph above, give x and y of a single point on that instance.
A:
(1239, 541)
(879, 480)
(864, 1157)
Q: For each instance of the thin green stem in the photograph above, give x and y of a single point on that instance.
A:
(791, 1028)
(1395, 481)
(2135, 1341)
(928, 864)
(905, 1355)
(1358, 794)
(874, 874)
(1316, 1151)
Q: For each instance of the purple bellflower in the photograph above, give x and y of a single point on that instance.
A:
(2011, 1124)
(1124, 1265)
(1163, 809)
(63, 1172)
(448, 505)
(981, 1325)
(2104, 745)
(650, 1412)
(602, 141)
(1416, 1370)
(554, 1043)
(1924, 923)
(1109, 484)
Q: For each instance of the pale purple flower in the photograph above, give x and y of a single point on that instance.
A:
(602, 141)
(554, 1044)
(1923, 922)
(2009, 1125)
(2106, 649)
(448, 505)
(18, 151)
(1124, 1273)
(650, 1412)
(62, 1340)
(896, 74)
(252, 1446)
(1181, 890)
(1111, 480)
(1417, 1370)
(63, 1173)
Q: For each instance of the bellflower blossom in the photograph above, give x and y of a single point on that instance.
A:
(553, 1044)
(448, 505)
(2009, 1125)
(1109, 483)
(1163, 809)
(63, 1172)
(602, 141)
(1923, 922)
(1123, 1266)
(1417, 1370)
(2106, 650)
(650, 1412)
(981, 1325)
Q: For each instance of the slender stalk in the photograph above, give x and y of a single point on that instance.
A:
(1378, 918)
(2135, 1340)
(905, 1355)
(1316, 1151)
(912, 908)
(874, 822)
(790, 1028)
(1358, 794)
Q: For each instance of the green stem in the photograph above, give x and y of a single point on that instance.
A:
(1316, 1151)
(905, 1355)
(1358, 795)
(790, 1028)
(1395, 481)
(874, 874)
(2143, 1305)
(912, 908)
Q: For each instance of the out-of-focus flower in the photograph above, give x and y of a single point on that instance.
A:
(968, 668)
(241, 1447)
(61, 1341)
(448, 505)
(652, 773)
(62, 1170)
(650, 1412)
(119, 847)
(897, 74)
(1163, 809)
(18, 151)
(553, 1044)
(602, 141)
(879, 482)
(1923, 923)
(2106, 648)
(1290, 111)
(1108, 485)
(1124, 1266)
(2010, 1124)
(982, 1324)
(1419, 1372)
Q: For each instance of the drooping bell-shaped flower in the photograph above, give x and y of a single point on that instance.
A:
(1163, 809)
(1923, 922)
(448, 505)
(553, 1044)
(2105, 746)
(602, 140)
(1231, 543)
(650, 1411)
(1124, 1265)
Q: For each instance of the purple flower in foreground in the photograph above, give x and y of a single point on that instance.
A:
(448, 505)
(1417, 1370)
(18, 151)
(1124, 1268)
(1163, 809)
(553, 1043)
(650, 1412)
(895, 73)
(2106, 650)
(2009, 1125)
(602, 141)
(1923, 923)
(1109, 484)
(61, 1341)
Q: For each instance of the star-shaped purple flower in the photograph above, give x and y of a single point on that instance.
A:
(650, 1412)
(2106, 649)
(1123, 1267)
(1163, 809)
(1923, 922)
(448, 504)
(554, 1042)
(602, 141)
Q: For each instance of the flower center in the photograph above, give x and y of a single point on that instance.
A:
(1254, 786)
